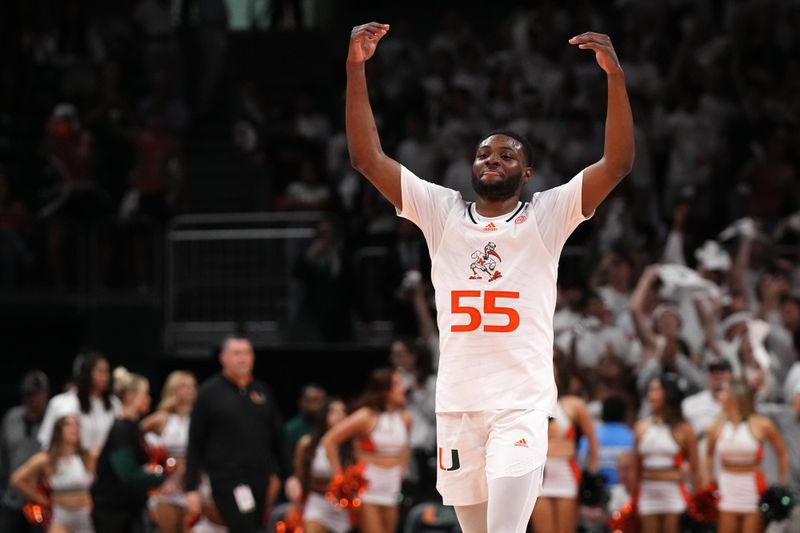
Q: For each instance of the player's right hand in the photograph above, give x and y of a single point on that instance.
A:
(363, 41)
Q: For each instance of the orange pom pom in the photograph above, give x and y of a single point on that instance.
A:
(293, 523)
(626, 520)
(703, 505)
(346, 488)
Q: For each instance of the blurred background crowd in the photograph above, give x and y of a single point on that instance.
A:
(172, 170)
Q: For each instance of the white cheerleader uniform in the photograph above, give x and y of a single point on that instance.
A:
(562, 475)
(174, 438)
(660, 451)
(739, 491)
(317, 507)
(389, 438)
(71, 476)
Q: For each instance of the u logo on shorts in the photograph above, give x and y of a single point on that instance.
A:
(454, 460)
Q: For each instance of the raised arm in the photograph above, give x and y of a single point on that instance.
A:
(363, 143)
(708, 323)
(358, 423)
(600, 178)
(636, 306)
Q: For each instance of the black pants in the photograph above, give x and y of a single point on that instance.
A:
(13, 521)
(235, 520)
(117, 521)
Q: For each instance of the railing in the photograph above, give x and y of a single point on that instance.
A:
(232, 271)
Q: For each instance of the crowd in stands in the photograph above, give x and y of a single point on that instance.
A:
(678, 304)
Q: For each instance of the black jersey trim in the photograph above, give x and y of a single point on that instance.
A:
(469, 212)
(515, 213)
(520, 208)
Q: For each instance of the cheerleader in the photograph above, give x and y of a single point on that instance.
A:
(68, 471)
(170, 424)
(557, 508)
(663, 441)
(382, 428)
(314, 471)
(738, 440)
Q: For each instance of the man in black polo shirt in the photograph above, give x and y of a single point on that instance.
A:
(234, 435)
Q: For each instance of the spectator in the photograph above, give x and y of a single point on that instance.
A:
(68, 470)
(309, 123)
(703, 408)
(68, 150)
(613, 282)
(120, 490)
(663, 349)
(614, 439)
(15, 228)
(592, 336)
(308, 193)
(416, 150)
(91, 400)
(155, 23)
(235, 411)
(157, 176)
(310, 404)
(211, 20)
(324, 271)
(18, 444)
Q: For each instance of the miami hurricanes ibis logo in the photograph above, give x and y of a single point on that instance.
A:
(484, 263)
(455, 463)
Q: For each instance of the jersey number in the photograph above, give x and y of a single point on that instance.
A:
(490, 307)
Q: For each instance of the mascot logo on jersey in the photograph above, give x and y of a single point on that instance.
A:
(483, 263)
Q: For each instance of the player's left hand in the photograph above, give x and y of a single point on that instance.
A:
(603, 50)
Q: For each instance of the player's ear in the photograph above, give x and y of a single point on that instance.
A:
(527, 174)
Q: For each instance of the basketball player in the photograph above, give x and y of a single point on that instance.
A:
(495, 386)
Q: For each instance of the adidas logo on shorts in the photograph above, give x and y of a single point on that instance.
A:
(521, 442)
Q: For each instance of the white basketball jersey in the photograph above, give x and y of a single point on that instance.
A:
(495, 282)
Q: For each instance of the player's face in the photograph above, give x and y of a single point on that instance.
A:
(500, 169)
